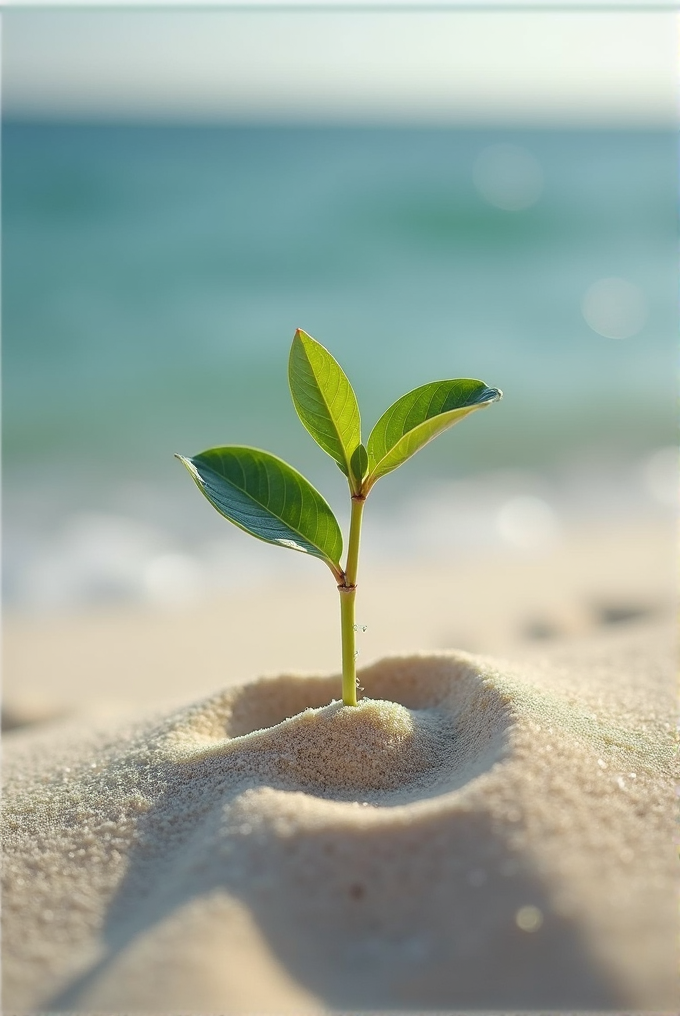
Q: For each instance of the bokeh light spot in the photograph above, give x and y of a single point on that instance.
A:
(528, 523)
(615, 308)
(661, 475)
(529, 918)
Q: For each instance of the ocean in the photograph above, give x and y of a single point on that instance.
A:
(153, 277)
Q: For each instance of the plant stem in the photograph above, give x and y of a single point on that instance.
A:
(349, 669)
(348, 591)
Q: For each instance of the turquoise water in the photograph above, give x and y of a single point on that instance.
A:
(153, 278)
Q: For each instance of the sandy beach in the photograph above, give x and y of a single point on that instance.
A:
(210, 213)
(492, 828)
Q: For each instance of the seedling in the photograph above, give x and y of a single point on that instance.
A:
(267, 498)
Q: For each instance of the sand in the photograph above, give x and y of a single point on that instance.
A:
(479, 833)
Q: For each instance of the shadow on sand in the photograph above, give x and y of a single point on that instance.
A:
(387, 912)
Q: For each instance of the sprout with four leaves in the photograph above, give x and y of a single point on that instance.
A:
(267, 498)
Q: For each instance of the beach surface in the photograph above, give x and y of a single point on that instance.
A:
(489, 829)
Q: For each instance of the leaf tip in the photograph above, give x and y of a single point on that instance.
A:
(189, 465)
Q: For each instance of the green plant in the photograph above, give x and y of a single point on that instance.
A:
(269, 499)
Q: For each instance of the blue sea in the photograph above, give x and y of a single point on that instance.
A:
(154, 276)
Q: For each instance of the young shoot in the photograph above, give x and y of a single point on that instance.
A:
(267, 498)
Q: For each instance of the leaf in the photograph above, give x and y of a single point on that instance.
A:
(418, 417)
(359, 466)
(267, 498)
(324, 399)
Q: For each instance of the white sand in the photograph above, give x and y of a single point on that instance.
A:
(500, 838)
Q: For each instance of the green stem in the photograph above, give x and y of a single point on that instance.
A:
(348, 593)
(349, 667)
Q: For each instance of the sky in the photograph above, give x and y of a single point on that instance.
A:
(561, 68)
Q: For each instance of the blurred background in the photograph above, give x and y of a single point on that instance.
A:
(430, 195)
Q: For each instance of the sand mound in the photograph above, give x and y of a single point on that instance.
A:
(375, 746)
(469, 836)
(447, 725)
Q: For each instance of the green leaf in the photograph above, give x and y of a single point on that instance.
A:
(418, 417)
(324, 399)
(359, 466)
(267, 498)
